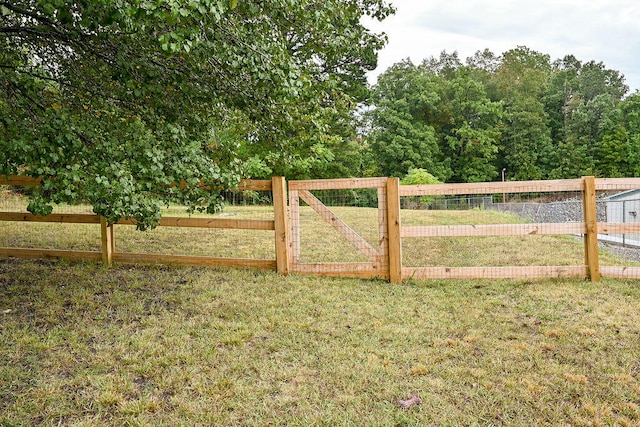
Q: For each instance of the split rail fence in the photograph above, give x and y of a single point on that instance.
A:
(109, 254)
(381, 243)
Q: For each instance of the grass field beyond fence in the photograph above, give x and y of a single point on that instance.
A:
(320, 243)
(86, 345)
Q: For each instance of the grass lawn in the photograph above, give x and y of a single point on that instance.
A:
(85, 345)
(81, 344)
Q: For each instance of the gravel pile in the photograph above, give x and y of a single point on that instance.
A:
(569, 210)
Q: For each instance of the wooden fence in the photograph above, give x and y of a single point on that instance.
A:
(588, 228)
(109, 254)
(386, 255)
(377, 264)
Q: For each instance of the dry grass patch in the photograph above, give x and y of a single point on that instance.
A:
(85, 345)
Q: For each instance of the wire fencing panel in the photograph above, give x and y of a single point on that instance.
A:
(196, 241)
(530, 230)
(492, 230)
(243, 230)
(342, 228)
(497, 249)
(619, 227)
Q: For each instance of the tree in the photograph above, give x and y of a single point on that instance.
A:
(562, 95)
(630, 108)
(619, 147)
(483, 65)
(113, 101)
(446, 65)
(596, 80)
(586, 122)
(521, 80)
(470, 128)
(436, 117)
(519, 111)
(402, 135)
(417, 176)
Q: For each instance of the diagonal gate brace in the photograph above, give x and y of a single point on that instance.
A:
(331, 218)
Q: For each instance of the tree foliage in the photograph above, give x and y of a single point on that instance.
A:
(417, 176)
(402, 137)
(436, 117)
(113, 101)
(519, 111)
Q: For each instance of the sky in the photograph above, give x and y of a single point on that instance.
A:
(606, 31)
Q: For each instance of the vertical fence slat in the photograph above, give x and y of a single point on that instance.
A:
(108, 242)
(279, 188)
(393, 224)
(591, 225)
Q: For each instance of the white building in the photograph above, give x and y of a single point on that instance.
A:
(623, 208)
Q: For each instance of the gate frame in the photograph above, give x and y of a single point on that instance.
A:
(388, 224)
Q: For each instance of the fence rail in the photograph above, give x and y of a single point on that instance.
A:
(491, 187)
(492, 230)
(384, 252)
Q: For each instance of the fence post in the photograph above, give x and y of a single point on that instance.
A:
(591, 224)
(281, 218)
(108, 242)
(393, 230)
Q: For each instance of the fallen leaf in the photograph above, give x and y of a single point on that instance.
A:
(414, 400)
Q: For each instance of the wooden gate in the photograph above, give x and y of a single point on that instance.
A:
(368, 243)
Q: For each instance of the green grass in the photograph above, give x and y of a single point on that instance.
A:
(485, 251)
(85, 345)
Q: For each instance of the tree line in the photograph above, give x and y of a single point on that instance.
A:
(519, 112)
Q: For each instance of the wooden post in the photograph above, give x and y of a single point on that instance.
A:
(591, 225)
(279, 189)
(108, 242)
(393, 230)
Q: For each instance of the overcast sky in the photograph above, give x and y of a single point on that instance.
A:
(602, 30)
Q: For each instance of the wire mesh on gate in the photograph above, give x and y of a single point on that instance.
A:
(323, 235)
(339, 226)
